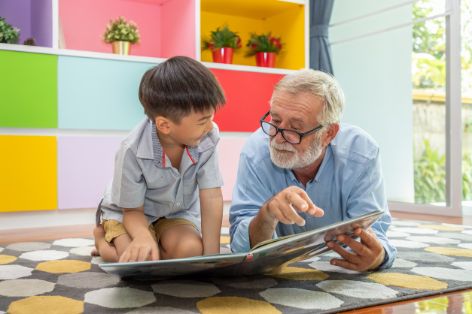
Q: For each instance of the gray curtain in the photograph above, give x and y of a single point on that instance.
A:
(320, 51)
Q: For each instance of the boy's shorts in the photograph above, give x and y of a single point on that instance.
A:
(114, 228)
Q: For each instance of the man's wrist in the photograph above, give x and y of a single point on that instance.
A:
(265, 217)
(381, 259)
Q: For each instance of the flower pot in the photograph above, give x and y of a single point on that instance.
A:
(121, 47)
(223, 55)
(265, 59)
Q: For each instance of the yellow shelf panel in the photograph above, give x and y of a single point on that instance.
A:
(282, 19)
(260, 9)
(28, 167)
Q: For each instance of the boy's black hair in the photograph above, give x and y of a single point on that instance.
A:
(177, 87)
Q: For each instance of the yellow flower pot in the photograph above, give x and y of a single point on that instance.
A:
(121, 47)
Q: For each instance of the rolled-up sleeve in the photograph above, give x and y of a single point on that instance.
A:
(368, 195)
(128, 187)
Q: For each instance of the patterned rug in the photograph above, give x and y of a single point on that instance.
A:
(61, 277)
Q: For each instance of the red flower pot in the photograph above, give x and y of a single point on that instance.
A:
(223, 55)
(265, 59)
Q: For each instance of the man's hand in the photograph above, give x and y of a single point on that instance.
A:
(283, 207)
(366, 255)
(286, 205)
(141, 249)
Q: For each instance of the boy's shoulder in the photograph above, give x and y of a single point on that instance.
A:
(139, 140)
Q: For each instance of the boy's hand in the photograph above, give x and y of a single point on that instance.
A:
(141, 249)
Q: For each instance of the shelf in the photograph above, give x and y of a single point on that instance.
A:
(138, 59)
(29, 90)
(283, 19)
(32, 17)
(155, 19)
(29, 173)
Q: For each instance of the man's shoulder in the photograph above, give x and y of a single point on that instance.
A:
(354, 144)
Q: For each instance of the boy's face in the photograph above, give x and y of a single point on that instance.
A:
(192, 128)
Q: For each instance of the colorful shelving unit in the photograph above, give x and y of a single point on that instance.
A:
(66, 104)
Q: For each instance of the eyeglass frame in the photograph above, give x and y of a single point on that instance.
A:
(277, 130)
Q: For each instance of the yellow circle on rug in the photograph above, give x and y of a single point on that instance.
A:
(46, 304)
(442, 227)
(65, 266)
(7, 259)
(224, 239)
(407, 281)
(298, 273)
(449, 251)
(235, 305)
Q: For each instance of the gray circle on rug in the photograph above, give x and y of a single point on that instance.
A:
(247, 282)
(186, 288)
(301, 298)
(122, 297)
(14, 272)
(29, 246)
(425, 257)
(25, 287)
(88, 280)
(458, 236)
(160, 310)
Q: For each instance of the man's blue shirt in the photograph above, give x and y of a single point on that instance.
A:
(348, 184)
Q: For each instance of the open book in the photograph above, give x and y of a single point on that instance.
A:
(263, 258)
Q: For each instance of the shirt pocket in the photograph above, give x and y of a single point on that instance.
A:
(156, 180)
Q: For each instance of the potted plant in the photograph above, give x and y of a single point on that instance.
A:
(265, 47)
(8, 33)
(121, 34)
(222, 43)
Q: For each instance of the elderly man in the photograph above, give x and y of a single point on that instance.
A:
(303, 170)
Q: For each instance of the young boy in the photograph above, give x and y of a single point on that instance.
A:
(166, 171)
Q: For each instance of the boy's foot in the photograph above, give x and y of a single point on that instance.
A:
(98, 234)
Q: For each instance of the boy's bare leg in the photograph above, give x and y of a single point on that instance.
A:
(121, 243)
(103, 248)
(109, 252)
(180, 241)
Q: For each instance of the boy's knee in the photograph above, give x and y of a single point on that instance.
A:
(183, 245)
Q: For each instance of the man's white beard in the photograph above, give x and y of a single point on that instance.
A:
(285, 156)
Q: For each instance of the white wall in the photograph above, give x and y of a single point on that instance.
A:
(375, 73)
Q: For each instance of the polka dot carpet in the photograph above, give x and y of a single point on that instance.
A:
(61, 277)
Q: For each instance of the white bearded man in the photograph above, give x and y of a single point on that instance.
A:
(303, 170)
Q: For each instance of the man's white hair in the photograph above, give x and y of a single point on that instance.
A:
(319, 84)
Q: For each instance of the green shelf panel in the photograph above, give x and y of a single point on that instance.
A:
(28, 90)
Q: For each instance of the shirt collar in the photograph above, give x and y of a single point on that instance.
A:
(328, 155)
(145, 146)
(150, 147)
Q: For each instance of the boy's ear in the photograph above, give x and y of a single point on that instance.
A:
(163, 124)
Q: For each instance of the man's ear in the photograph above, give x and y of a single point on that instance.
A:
(163, 124)
(333, 129)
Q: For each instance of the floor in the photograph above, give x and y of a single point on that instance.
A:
(455, 302)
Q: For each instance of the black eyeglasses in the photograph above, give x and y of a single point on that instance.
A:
(291, 136)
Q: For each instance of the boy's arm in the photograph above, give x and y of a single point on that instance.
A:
(143, 244)
(211, 207)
